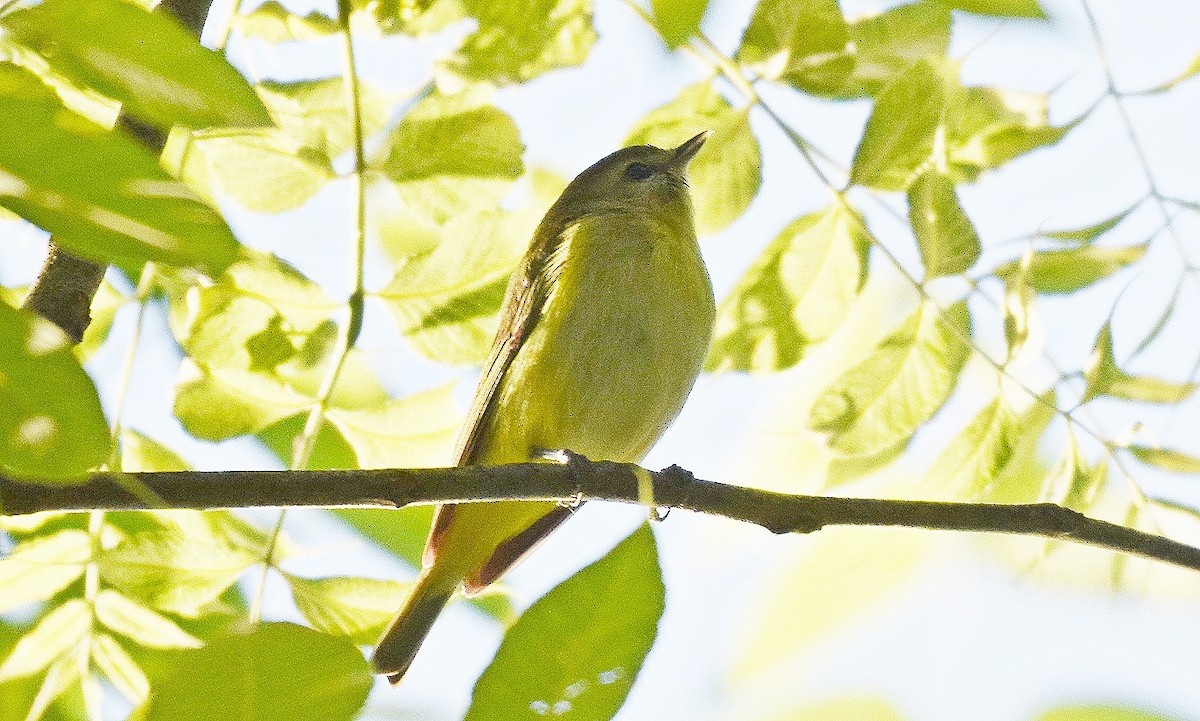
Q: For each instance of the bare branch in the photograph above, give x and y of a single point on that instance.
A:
(674, 487)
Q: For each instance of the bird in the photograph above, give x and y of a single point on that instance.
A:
(603, 331)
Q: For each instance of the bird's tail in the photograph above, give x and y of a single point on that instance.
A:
(396, 648)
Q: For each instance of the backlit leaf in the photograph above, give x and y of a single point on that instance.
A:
(317, 112)
(416, 431)
(886, 45)
(52, 427)
(677, 20)
(859, 569)
(112, 201)
(797, 41)
(1003, 8)
(1105, 378)
(447, 302)
(1095, 712)
(1064, 271)
(883, 400)
(170, 572)
(327, 679)
(141, 453)
(974, 458)
(451, 154)
(1191, 71)
(355, 607)
(522, 39)
(899, 137)
(266, 170)
(133, 620)
(172, 80)
(948, 242)
(114, 662)
(579, 648)
(987, 127)
(1167, 459)
(725, 175)
(796, 293)
(271, 22)
(56, 634)
(1088, 233)
(1019, 308)
(37, 569)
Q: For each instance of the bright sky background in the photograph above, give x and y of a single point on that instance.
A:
(964, 637)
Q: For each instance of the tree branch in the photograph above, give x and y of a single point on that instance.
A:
(674, 487)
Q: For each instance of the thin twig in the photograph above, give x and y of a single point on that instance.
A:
(674, 487)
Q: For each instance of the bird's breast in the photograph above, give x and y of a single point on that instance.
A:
(619, 343)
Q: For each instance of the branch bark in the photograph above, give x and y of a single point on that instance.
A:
(581, 479)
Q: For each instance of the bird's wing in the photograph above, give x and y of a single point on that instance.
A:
(525, 299)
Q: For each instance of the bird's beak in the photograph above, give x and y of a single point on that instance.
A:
(682, 155)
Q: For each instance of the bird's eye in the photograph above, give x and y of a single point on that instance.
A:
(638, 171)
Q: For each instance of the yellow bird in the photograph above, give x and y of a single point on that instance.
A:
(604, 330)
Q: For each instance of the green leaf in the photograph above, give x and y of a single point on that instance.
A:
(802, 43)
(522, 39)
(1002, 8)
(810, 46)
(863, 708)
(105, 304)
(1064, 271)
(859, 569)
(447, 302)
(172, 572)
(172, 80)
(1105, 378)
(579, 648)
(411, 17)
(57, 634)
(886, 45)
(883, 400)
(973, 460)
(37, 569)
(317, 112)
(133, 620)
(327, 679)
(112, 201)
(219, 403)
(987, 127)
(948, 242)
(1095, 712)
(62, 677)
(1086, 234)
(727, 172)
(52, 428)
(400, 532)
(899, 137)
(1191, 71)
(115, 662)
(1167, 459)
(411, 432)
(266, 171)
(452, 154)
(272, 23)
(677, 20)
(1019, 306)
(140, 453)
(1073, 482)
(358, 608)
(797, 292)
